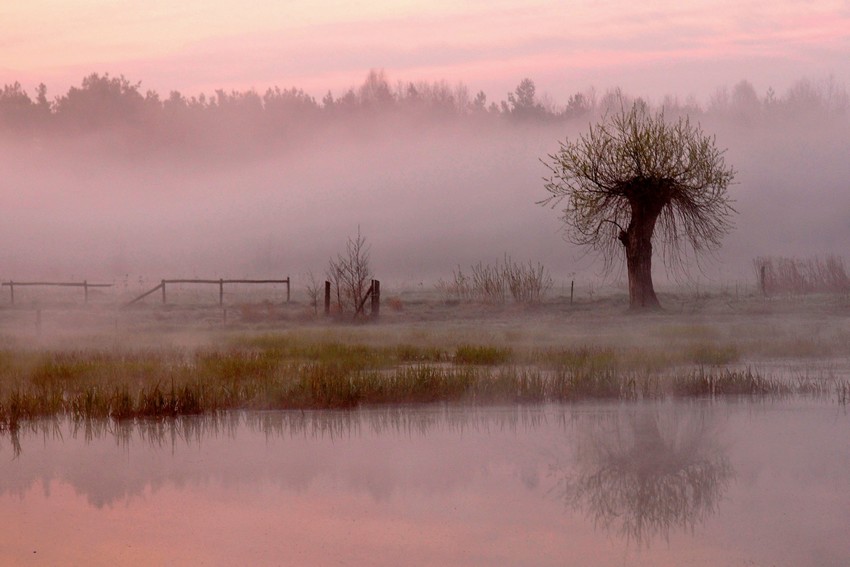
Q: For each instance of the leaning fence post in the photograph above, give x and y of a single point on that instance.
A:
(162, 285)
(376, 298)
(327, 297)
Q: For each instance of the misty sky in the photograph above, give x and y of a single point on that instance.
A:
(654, 48)
(428, 197)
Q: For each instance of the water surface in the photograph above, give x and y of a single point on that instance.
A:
(670, 483)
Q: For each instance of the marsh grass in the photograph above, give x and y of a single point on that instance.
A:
(482, 354)
(711, 354)
(730, 382)
(843, 392)
(291, 372)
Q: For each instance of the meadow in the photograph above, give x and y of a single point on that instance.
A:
(157, 361)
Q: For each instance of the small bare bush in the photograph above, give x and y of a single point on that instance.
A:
(777, 274)
(350, 274)
(524, 283)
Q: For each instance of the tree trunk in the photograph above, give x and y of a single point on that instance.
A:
(637, 239)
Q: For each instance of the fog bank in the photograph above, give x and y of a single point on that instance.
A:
(428, 194)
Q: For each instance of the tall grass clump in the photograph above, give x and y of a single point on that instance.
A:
(523, 283)
(728, 383)
(842, 390)
(714, 355)
(571, 384)
(777, 274)
(481, 354)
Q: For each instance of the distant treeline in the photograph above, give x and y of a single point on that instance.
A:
(104, 104)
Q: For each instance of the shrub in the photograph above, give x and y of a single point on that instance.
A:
(524, 283)
(350, 275)
(777, 274)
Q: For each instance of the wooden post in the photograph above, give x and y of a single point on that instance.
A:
(572, 287)
(376, 298)
(220, 292)
(163, 292)
(12, 291)
(287, 290)
(86, 290)
(327, 297)
(761, 281)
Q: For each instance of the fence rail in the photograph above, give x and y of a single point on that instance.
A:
(219, 282)
(84, 284)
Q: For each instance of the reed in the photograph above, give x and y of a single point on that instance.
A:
(292, 372)
(495, 283)
(802, 275)
(730, 382)
(482, 354)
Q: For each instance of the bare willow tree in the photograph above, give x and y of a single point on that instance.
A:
(636, 178)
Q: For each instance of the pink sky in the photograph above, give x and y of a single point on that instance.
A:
(649, 48)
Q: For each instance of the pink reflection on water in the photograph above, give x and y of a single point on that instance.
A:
(427, 490)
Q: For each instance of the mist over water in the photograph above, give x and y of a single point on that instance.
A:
(428, 193)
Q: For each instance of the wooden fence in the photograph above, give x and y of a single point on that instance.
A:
(373, 293)
(84, 284)
(219, 282)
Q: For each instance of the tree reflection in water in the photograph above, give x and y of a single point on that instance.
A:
(638, 470)
(641, 472)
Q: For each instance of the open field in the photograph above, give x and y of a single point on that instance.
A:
(98, 361)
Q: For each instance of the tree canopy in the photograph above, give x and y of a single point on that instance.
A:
(636, 178)
(117, 115)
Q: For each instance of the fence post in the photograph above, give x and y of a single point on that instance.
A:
(220, 292)
(761, 281)
(287, 290)
(86, 290)
(327, 297)
(376, 298)
(12, 292)
(163, 291)
(572, 287)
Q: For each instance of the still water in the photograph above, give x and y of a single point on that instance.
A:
(672, 483)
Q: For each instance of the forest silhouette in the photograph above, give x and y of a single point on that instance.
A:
(123, 117)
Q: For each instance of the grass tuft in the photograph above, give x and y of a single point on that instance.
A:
(481, 354)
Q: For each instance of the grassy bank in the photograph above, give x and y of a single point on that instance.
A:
(285, 371)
